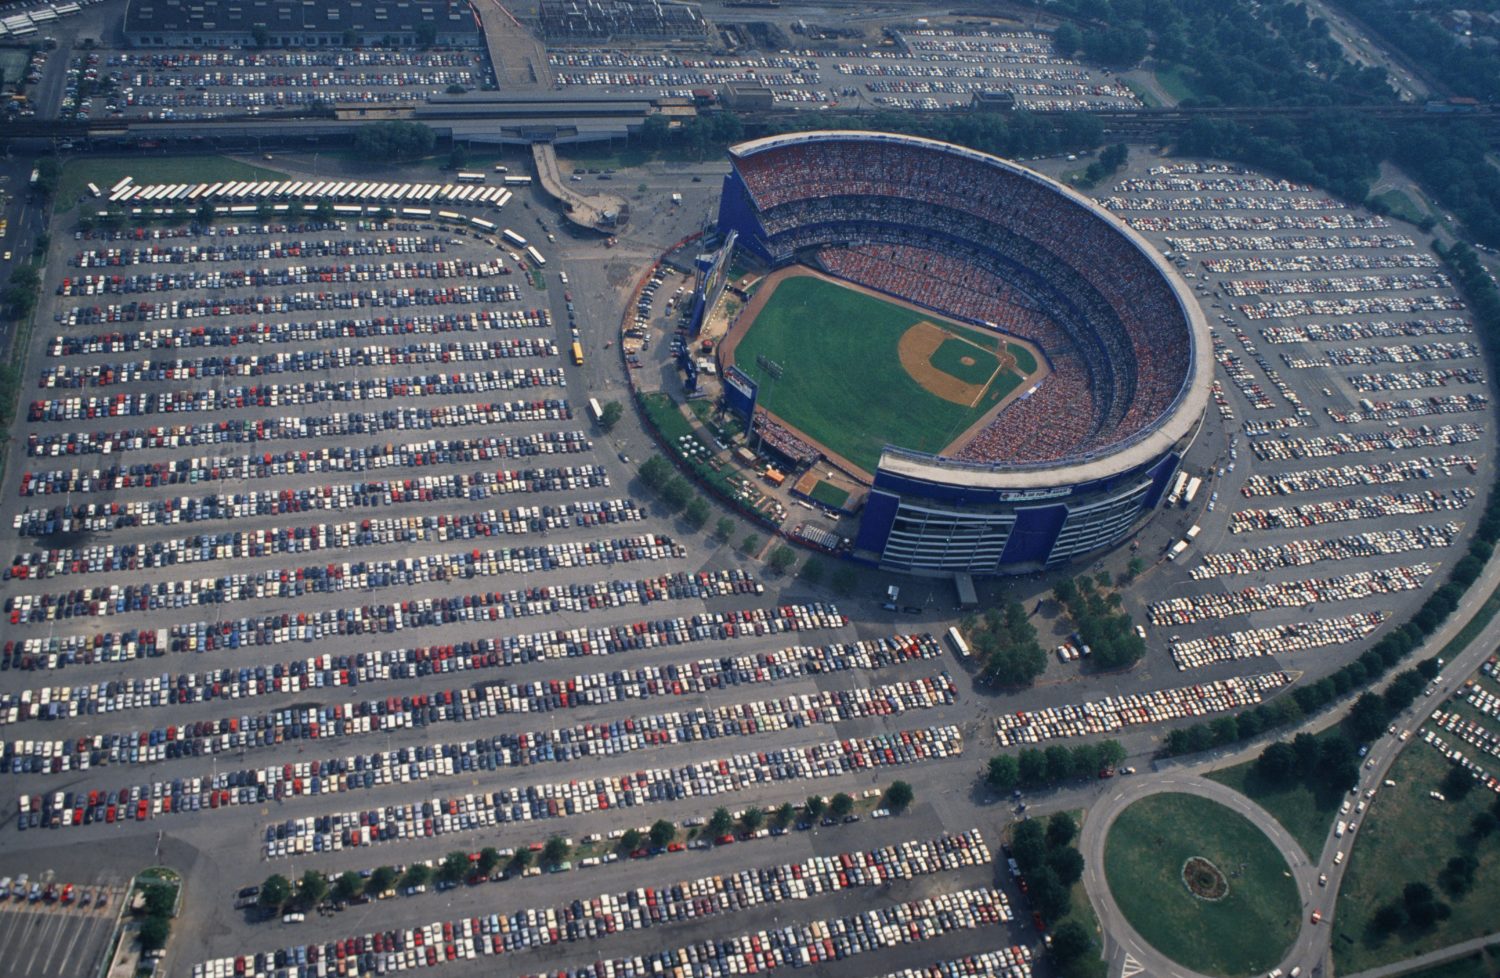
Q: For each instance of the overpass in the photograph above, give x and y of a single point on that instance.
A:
(598, 212)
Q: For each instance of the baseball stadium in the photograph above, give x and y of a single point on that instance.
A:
(1012, 372)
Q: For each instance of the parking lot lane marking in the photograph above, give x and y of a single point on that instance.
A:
(39, 940)
(80, 927)
(10, 929)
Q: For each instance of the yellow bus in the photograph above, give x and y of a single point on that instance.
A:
(577, 353)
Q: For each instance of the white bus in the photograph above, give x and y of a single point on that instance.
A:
(596, 410)
(93, 191)
(470, 176)
(536, 256)
(518, 181)
(1192, 490)
(513, 238)
(958, 643)
(481, 223)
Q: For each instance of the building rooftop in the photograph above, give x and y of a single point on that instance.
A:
(322, 16)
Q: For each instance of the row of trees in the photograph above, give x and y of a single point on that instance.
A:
(394, 140)
(1101, 625)
(1038, 768)
(1395, 645)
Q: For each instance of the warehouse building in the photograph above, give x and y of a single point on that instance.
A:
(299, 24)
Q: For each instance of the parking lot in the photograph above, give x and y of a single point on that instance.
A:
(44, 938)
(260, 624)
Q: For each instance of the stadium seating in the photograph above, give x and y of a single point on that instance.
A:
(954, 232)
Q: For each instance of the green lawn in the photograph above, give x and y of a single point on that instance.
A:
(1174, 82)
(1304, 813)
(1407, 837)
(1247, 931)
(664, 414)
(106, 171)
(842, 380)
(1400, 204)
(829, 494)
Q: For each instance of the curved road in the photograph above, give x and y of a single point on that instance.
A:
(1129, 955)
(1130, 949)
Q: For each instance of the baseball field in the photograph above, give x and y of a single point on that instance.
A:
(859, 371)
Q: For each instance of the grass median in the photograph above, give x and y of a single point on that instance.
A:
(1243, 911)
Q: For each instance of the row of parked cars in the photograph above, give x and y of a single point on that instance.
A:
(699, 779)
(144, 311)
(179, 369)
(113, 599)
(328, 671)
(1300, 553)
(55, 652)
(265, 277)
(23, 887)
(1250, 643)
(1112, 713)
(797, 945)
(229, 251)
(298, 332)
(359, 575)
(101, 518)
(78, 408)
(508, 749)
(339, 425)
(377, 531)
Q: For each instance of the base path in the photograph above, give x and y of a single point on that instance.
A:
(1126, 951)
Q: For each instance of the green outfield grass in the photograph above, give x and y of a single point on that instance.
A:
(842, 381)
(829, 494)
(1247, 931)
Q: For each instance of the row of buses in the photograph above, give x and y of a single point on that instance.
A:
(127, 191)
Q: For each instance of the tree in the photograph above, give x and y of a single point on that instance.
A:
(750, 544)
(1277, 764)
(521, 859)
(653, 131)
(154, 932)
(696, 514)
(1061, 830)
(752, 818)
(1457, 783)
(898, 796)
(417, 874)
(631, 840)
(1067, 863)
(610, 415)
(720, 822)
(676, 493)
(275, 892)
(1132, 571)
(662, 832)
(347, 886)
(1033, 767)
(489, 860)
(812, 571)
(1065, 40)
(454, 867)
(384, 878)
(781, 557)
(785, 814)
(1483, 825)
(723, 529)
(312, 888)
(1004, 773)
(814, 805)
(1028, 846)
(655, 471)
(1070, 942)
(1048, 895)
(1390, 918)
(393, 140)
(159, 899)
(555, 851)
(841, 804)
(1423, 908)
(455, 89)
(1457, 877)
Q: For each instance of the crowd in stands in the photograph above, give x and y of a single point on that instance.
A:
(959, 234)
(783, 441)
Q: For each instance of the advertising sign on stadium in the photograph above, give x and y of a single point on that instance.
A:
(739, 391)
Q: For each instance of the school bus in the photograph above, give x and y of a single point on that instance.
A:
(577, 353)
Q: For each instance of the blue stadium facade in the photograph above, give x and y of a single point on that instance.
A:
(934, 515)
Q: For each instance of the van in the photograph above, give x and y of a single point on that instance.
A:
(1338, 857)
(1340, 829)
(1297, 971)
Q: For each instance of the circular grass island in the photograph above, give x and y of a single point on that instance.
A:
(1202, 885)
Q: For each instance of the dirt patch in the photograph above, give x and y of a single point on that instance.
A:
(1204, 880)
